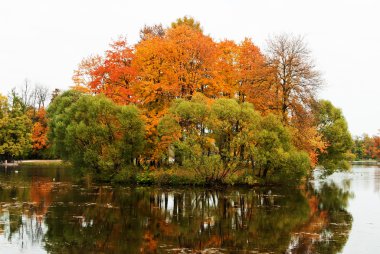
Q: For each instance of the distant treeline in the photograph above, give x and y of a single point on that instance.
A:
(367, 147)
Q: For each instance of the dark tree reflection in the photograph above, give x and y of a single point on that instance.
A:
(68, 218)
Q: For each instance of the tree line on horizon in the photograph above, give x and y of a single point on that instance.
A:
(194, 102)
(367, 147)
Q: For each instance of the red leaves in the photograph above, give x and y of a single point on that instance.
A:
(111, 75)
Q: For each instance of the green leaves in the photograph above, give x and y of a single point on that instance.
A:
(94, 133)
(276, 156)
(15, 131)
(333, 127)
(216, 138)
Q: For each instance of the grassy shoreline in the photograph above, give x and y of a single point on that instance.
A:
(176, 176)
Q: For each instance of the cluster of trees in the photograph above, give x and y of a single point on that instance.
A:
(217, 137)
(366, 147)
(179, 97)
(23, 123)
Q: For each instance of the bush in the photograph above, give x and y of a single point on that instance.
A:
(144, 178)
(125, 175)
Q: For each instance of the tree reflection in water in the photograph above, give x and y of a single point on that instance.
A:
(69, 218)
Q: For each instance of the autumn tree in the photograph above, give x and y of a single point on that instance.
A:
(226, 68)
(296, 78)
(255, 77)
(296, 82)
(373, 149)
(39, 133)
(243, 73)
(30, 100)
(110, 75)
(175, 65)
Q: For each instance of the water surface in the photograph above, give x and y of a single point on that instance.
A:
(47, 211)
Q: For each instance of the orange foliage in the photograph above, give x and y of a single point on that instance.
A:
(39, 131)
(175, 66)
(305, 134)
(372, 147)
(150, 243)
(40, 193)
(181, 60)
(254, 77)
(111, 75)
(226, 67)
(172, 66)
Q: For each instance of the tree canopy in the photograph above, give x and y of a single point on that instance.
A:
(179, 97)
(93, 132)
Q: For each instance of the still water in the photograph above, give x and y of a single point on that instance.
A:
(47, 211)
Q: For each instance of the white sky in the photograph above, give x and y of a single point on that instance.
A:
(44, 40)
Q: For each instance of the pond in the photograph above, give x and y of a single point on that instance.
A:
(43, 210)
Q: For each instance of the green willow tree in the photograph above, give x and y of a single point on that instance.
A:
(93, 132)
(216, 138)
(333, 127)
(275, 153)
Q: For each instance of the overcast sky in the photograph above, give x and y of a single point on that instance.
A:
(44, 40)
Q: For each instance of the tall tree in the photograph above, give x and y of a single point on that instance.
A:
(111, 75)
(15, 126)
(255, 77)
(39, 132)
(296, 78)
(295, 84)
(226, 68)
(175, 65)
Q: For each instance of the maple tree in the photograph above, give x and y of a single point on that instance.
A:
(39, 131)
(253, 75)
(227, 77)
(170, 66)
(110, 75)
